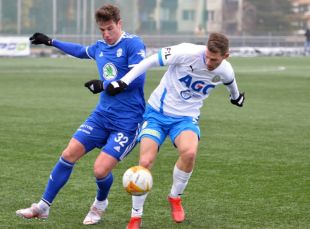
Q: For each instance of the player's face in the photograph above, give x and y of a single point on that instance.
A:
(110, 31)
(213, 60)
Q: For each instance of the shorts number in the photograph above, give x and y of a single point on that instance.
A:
(121, 139)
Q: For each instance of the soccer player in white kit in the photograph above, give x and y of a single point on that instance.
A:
(174, 107)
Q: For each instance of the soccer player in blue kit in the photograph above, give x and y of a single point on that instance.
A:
(113, 125)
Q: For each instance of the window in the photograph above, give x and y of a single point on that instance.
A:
(211, 15)
(188, 15)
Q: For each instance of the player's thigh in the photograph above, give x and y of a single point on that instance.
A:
(185, 136)
(148, 152)
(74, 151)
(187, 142)
(119, 144)
(104, 164)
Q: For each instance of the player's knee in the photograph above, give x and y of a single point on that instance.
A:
(73, 152)
(99, 172)
(189, 155)
(69, 155)
(146, 163)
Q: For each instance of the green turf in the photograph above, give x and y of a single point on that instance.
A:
(253, 165)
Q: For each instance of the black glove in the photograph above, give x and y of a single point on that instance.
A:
(95, 86)
(239, 101)
(116, 87)
(40, 38)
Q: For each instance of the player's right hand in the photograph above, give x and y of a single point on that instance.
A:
(115, 87)
(40, 38)
(95, 86)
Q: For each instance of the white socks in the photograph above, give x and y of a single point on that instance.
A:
(137, 205)
(180, 180)
(43, 206)
(101, 205)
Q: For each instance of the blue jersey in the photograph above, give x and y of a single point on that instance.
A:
(124, 110)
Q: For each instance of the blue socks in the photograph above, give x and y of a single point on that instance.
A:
(104, 186)
(58, 178)
(61, 174)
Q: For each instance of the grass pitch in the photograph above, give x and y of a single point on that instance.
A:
(253, 165)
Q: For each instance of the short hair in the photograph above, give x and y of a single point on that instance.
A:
(106, 13)
(218, 43)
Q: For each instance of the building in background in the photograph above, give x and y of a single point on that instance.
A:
(186, 17)
(160, 17)
(251, 25)
(302, 9)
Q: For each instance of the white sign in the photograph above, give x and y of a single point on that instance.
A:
(14, 46)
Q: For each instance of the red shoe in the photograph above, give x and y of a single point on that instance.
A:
(177, 211)
(134, 223)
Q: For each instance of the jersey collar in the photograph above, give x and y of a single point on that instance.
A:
(116, 43)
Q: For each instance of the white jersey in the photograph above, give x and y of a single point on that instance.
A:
(187, 82)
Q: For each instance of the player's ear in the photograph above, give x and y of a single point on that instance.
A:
(226, 55)
(120, 24)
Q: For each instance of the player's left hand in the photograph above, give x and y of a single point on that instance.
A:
(239, 101)
(115, 87)
(95, 86)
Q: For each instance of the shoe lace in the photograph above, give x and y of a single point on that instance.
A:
(35, 210)
(95, 211)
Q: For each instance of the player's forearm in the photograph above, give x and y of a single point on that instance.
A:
(140, 68)
(72, 49)
(233, 89)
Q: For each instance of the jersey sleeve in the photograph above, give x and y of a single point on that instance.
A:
(73, 49)
(229, 80)
(91, 51)
(228, 74)
(172, 55)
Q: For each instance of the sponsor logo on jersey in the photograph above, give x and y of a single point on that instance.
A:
(195, 87)
(216, 79)
(109, 71)
(186, 94)
(101, 54)
(119, 52)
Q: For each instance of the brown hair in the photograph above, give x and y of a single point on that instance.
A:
(106, 13)
(218, 43)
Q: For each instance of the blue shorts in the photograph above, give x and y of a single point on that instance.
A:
(157, 126)
(96, 133)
